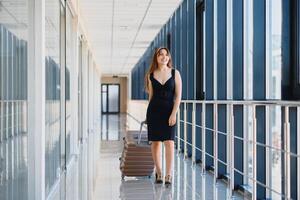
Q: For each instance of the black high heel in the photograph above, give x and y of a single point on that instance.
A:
(168, 180)
(158, 178)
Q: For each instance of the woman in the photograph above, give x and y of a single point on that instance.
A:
(163, 84)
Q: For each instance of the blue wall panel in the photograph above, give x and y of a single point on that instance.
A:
(189, 128)
(222, 139)
(209, 117)
(261, 151)
(293, 148)
(139, 74)
(221, 49)
(259, 49)
(209, 50)
(237, 50)
(182, 126)
(191, 52)
(286, 50)
(145, 67)
(238, 144)
(221, 81)
(259, 87)
(173, 37)
(178, 39)
(184, 67)
(198, 132)
(238, 85)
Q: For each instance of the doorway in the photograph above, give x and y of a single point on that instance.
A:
(110, 98)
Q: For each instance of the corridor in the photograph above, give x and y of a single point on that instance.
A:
(73, 81)
(188, 183)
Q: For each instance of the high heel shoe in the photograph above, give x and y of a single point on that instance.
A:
(168, 180)
(158, 178)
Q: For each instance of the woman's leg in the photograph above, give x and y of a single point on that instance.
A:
(169, 147)
(156, 155)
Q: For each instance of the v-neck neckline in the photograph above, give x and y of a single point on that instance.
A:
(160, 82)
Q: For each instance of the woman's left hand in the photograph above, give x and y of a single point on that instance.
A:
(172, 119)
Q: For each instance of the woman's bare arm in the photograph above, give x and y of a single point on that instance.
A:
(150, 92)
(178, 91)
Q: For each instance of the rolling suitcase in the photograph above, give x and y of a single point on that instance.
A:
(136, 159)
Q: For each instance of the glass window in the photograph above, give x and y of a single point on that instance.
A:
(273, 48)
(248, 55)
(14, 23)
(69, 68)
(79, 78)
(274, 67)
(275, 155)
(248, 87)
(53, 86)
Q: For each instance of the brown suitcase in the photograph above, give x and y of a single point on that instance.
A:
(136, 159)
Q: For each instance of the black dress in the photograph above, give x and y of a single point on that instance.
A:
(160, 108)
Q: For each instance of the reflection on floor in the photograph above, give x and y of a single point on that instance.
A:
(110, 126)
(188, 182)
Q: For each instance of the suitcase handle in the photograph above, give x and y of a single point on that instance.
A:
(141, 128)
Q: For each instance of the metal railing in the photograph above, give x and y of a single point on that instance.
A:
(12, 118)
(284, 149)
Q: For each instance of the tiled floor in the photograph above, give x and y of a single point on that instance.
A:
(188, 182)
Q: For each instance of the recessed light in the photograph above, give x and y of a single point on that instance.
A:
(123, 27)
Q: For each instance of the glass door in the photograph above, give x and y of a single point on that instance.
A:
(110, 94)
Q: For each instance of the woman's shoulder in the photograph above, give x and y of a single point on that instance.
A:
(176, 70)
(176, 75)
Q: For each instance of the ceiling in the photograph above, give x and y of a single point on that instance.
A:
(121, 30)
(14, 17)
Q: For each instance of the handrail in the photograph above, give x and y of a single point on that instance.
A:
(284, 149)
(246, 102)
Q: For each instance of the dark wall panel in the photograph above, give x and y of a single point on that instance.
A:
(189, 127)
(237, 50)
(182, 126)
(238, 85)
(222, 144)
(293, 148)
(198, 132)
(221, 49)
(209, 135)
(184, 65)
(259, 50)
(191, 51)
(261, 151)
(209, 50)
(173, 39)
(238, 144)
(178, 39)
(259, 87)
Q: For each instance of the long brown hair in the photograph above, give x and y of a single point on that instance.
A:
(154, 65)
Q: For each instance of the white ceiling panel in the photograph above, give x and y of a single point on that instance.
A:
(121, 30)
